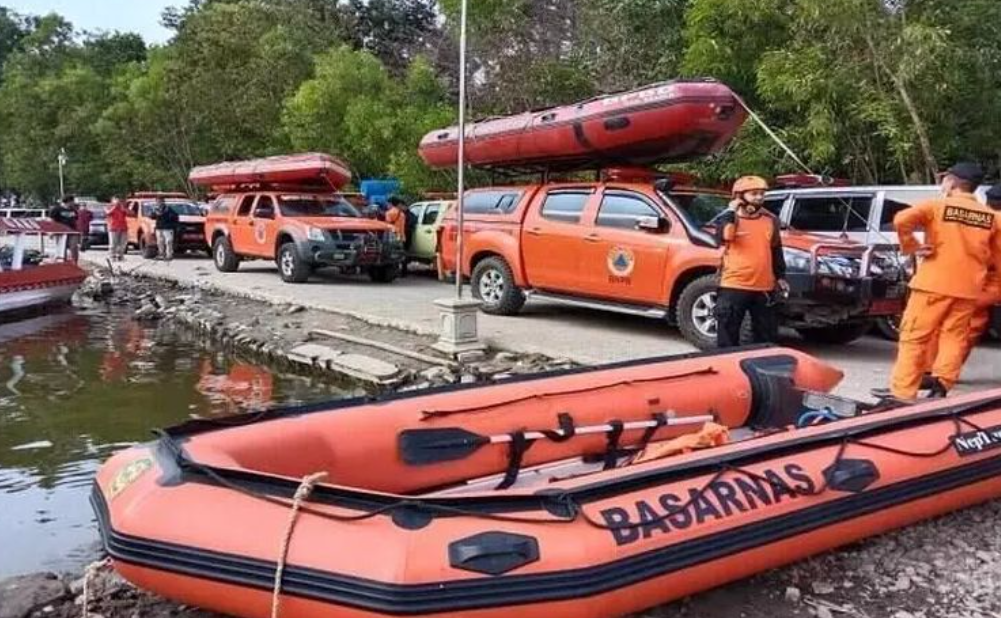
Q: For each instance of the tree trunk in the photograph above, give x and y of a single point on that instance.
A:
(931, 165)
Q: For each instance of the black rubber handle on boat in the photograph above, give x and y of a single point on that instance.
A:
(421, 447)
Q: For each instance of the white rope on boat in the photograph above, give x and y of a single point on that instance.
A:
(88, 573)
(301, 494)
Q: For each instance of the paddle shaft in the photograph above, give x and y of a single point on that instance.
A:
(596, 429)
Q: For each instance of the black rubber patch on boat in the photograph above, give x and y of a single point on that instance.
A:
(618, 123)
(976, 442)
(557, 503)
(851, 475)
(493, 553)
(411, 518)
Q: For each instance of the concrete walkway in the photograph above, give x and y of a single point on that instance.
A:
(582, 335)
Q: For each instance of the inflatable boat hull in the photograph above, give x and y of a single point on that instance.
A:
(300, 169)
(191, 516)
(673, 121)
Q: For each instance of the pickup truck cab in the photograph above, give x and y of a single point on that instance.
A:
(634, 245)
(190, 235)
(423, 246)
(301, 229)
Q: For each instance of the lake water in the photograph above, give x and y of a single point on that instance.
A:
(75, 387)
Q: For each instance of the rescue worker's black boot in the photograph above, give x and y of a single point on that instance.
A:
(937, 390)
(928, 382)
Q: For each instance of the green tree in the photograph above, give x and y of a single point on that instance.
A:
(355, 109)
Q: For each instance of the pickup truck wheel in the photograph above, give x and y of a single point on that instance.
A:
(147, 250)
(696, 314)
(292, 267)
(888, 327)
(493, 284)
(226, 260)
(387, 273)
(836, 335)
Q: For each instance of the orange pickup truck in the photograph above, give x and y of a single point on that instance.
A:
(641, 245)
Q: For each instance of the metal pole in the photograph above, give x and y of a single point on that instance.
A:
(62, 162)
(462, 150)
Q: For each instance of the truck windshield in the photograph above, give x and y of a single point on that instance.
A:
(700, 208)
(315, 206)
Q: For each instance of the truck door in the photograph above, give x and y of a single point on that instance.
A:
(552, 239)
(241, 229)
(264, 227)
(620, 261)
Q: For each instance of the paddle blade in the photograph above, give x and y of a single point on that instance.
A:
(421, 447)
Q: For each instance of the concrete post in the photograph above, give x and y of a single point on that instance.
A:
(458, 326)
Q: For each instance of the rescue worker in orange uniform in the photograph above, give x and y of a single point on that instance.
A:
(397, 217)
(989, 297)
(962, 242)
(753, 265)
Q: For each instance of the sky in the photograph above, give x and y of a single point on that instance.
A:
(142, 16)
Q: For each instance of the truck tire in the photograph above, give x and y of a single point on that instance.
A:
(226, 260)
(493, 285)
(147, 250)
(386, 273)
(696, 314)
(888, 327)
(291, 266)
(836, 335)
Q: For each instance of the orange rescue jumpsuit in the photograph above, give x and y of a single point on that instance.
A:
(981, 321)
(965, 237)
(398, 219)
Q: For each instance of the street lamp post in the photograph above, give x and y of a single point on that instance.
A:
(62, 164)
(459, 335)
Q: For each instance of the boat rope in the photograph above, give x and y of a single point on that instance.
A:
(772, 134)
(430, 414)
(301, 494)
(88, 574)
(569, 508)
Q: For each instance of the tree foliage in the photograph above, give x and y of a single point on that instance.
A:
(872, 90)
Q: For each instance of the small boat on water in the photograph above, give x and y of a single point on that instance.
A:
(36, 265)
(666, 122)
(579, 494)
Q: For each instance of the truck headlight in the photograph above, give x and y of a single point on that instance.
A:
(315, 233)
(797, 260)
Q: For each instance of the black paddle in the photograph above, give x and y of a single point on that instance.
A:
(420, 447)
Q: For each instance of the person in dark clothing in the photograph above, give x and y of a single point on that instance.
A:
(753, 266)
(167, 222)
(65, 213)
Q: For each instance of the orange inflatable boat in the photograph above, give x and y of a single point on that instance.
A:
(580, 494)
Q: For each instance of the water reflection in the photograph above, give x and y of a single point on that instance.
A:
(74, 388)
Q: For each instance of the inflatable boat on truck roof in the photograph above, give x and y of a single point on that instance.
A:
(289, 209)
(588, 493)
(666, 122)
(299, 169)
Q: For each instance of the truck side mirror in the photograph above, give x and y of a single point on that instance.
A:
(652, 224)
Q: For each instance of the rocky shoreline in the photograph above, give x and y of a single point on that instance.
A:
(305, 339)
(948, 567)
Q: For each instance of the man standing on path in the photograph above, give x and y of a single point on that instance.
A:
(753, 266)
(65, 213)
(962, 243)
(397, 217)
(166, 224)
(118, 228)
